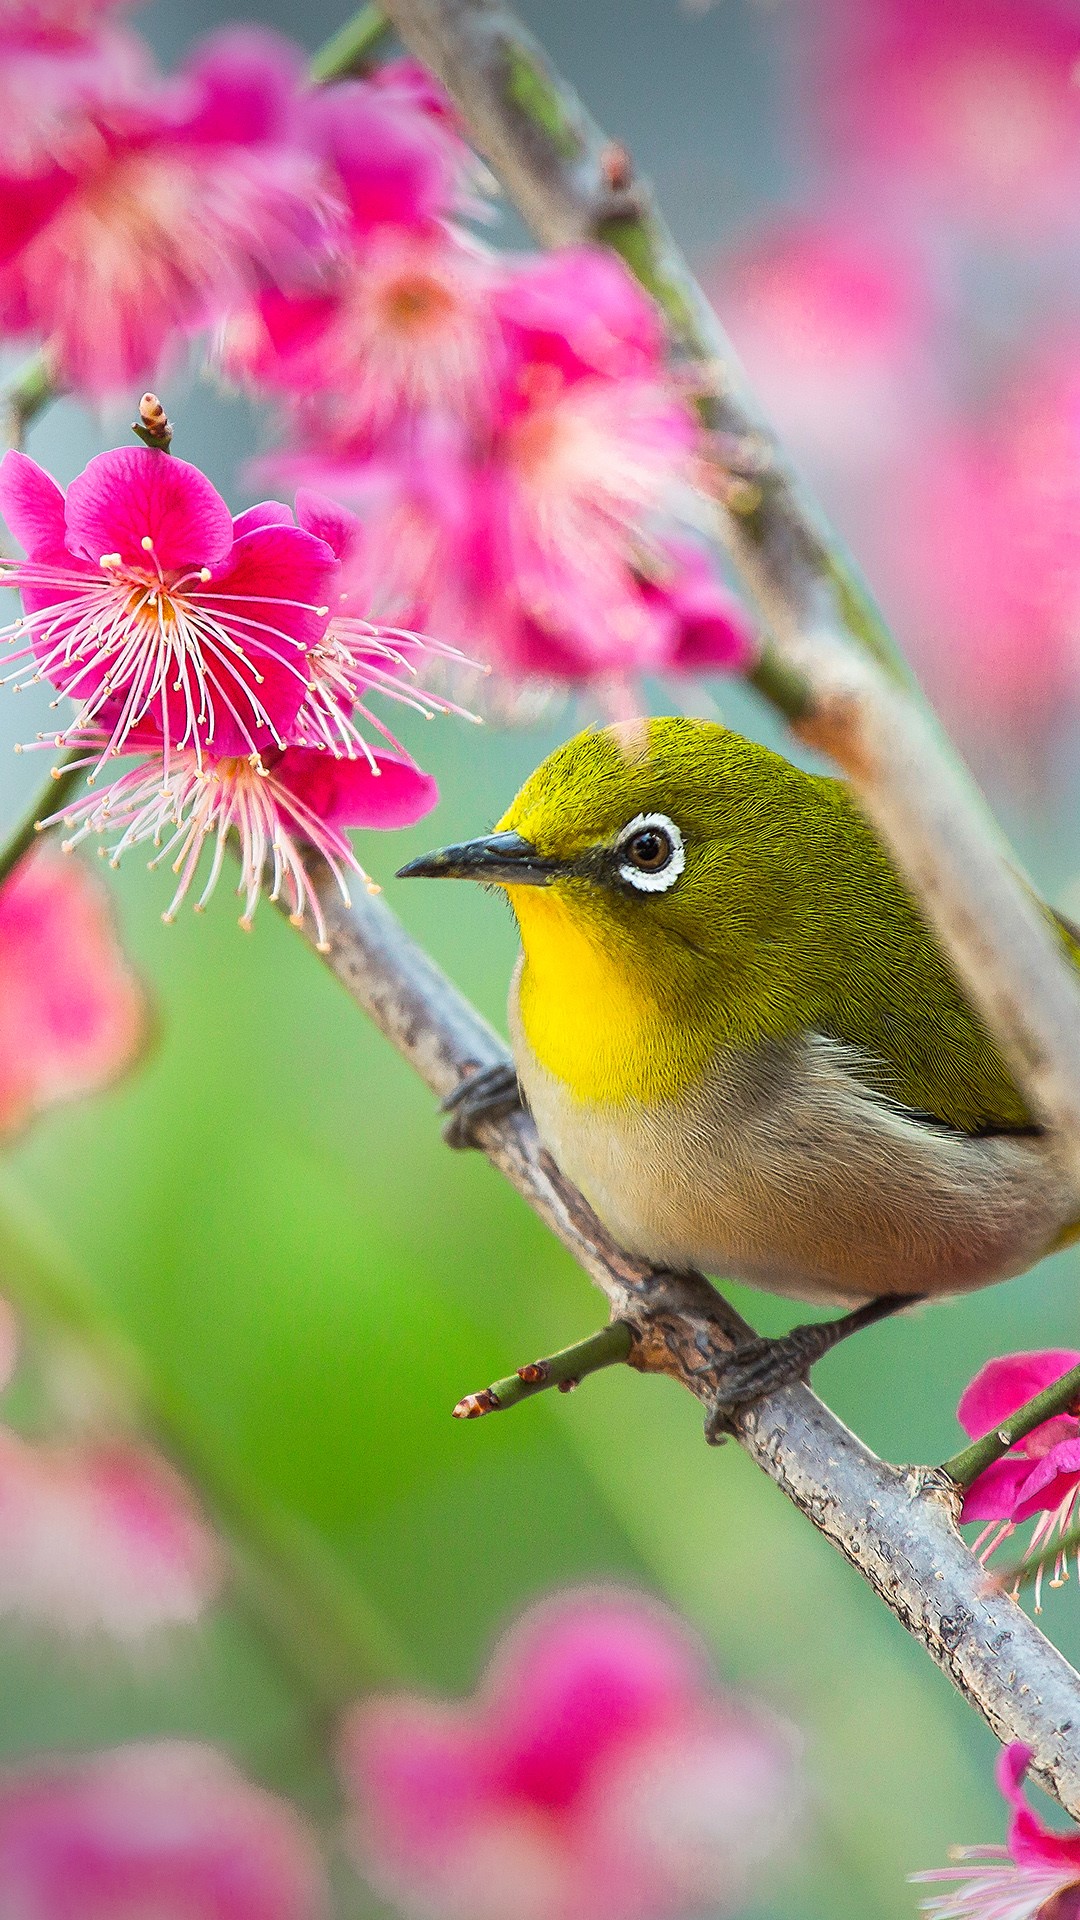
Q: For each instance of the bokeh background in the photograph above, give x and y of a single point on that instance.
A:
(267, 1206)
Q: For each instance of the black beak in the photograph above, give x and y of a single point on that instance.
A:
(502, 859)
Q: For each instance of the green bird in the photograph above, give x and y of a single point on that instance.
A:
(740, 1040)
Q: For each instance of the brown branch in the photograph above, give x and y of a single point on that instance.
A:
(833, 668)
(895, 1525)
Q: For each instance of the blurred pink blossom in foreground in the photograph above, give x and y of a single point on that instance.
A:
(189, 197)
(210, 647)
(595, 1777)
(73, 1015)
(1041, 1473)
(969, 103)
(99, 1538)
(163, 1828)
(1035, 1877)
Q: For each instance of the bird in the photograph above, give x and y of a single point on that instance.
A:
(740, 1040)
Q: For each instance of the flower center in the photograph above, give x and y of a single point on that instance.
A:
(415, 303)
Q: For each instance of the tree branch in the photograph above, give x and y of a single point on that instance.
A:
(833, 668)
(895, 1525)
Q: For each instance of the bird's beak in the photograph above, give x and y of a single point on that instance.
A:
(501, 859)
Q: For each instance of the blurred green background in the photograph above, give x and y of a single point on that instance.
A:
(268, 1209)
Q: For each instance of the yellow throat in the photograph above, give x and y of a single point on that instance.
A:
(588, 1017)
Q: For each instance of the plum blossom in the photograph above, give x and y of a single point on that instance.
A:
(971, 104)
(594, 1777)
(65, 68)
(73, 1015)
(100, 1539)
(832, 324)
(208, 648)
(1040, 1475)
(159, 1826)
(1036, 1876)
(145, 601)
(186, 203)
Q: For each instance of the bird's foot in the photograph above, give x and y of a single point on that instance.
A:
(486, 1095)
(758, 1367)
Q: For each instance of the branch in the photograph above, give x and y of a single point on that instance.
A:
(832, 669)
(1062, 1396)
(895, 1525)
(563, 1370)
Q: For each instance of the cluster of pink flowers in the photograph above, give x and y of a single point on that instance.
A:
(1036, 1876)
(225, 654)
(1038, 1478)
(595, 1777)
(506, 426)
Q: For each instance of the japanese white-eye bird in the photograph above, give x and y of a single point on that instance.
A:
(740, 1040)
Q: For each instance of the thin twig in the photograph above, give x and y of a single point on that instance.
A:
(1061, 1397)
(49, 799)
(352, 50)
(29, 394)
(895, 1525)
(833, 668)
(608, 1348)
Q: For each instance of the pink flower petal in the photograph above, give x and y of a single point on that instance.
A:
(73, 1016)
(248, 81)
(581, 310)
(993, 1495)
(163, 1827)
(132, 494)
(1050, 1481)
(32, 504)
(328, 520)
(1005, 1384)
(268, 513)
(346, 793)
(1030, 1842)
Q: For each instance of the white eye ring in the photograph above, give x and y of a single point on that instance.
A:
(665, 876)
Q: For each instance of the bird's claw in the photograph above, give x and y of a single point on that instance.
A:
(756, 1368)
(486, 1095)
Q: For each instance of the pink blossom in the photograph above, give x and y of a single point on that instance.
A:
(408, 326)
(1036, 1876)
(72, 1013)
(185, 206)
(972, 103)
(594, 1777)
(1041, 1473)
(64, 70)
(710, 630)
(146, 602)
(832, 324)
(163, 1826)
(278, 806)
(100, 1538)
(578, 309)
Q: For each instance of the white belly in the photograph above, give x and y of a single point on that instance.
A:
(784, 1171)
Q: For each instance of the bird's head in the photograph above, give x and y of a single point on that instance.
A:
(666, 842)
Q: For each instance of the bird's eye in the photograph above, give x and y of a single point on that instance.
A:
(650, 850)
(651, 853)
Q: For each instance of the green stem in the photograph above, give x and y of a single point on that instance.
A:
(288, 1583)
(49, 799)
(27, 396)
(965, 1466)
(352, 49)
(563, 1369)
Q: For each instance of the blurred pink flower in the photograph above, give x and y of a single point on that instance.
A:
(181, 208)
(832, 325)
(100, 1538)
(1041, 1473)
(64, 69)
(145, 601)
(1035, 1877)
(73, 1016)
(980, 558)
(158, 1827)
(579, 310)
(970, 102)
(595, 1777)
